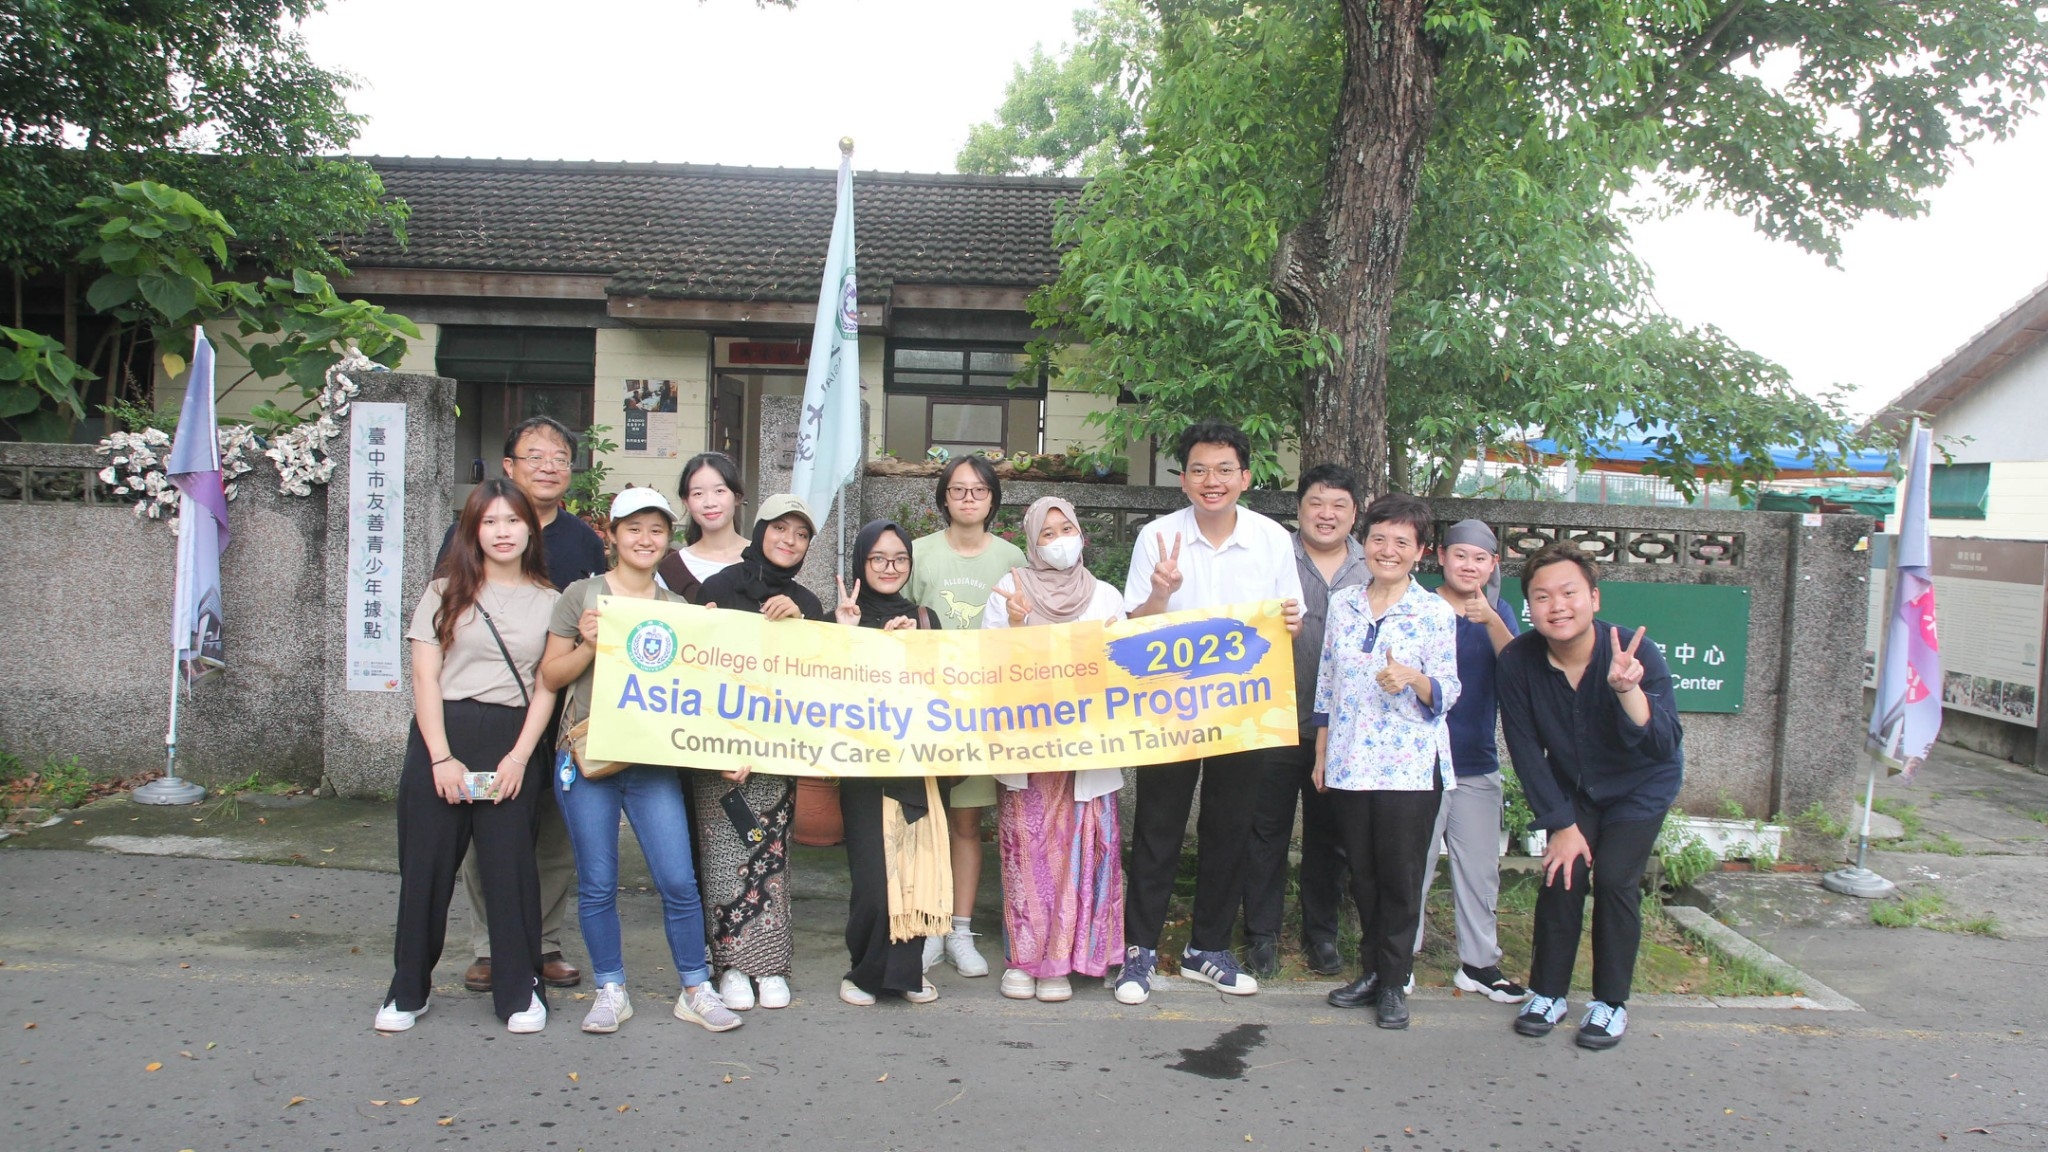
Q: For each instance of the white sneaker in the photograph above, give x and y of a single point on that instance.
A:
(1055, 989)
(934, 951)
(853, 994)
(612, 1009)
(390, 1019)
(924, 995)
(736, 990)
(532, 1020)
(1018, 985)
(703, 1007)
(774, 991)
(965, 957)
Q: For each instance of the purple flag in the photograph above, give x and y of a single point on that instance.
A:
(194, 468)
(1907, 716)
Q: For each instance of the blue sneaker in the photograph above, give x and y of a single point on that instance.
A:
(1134, 983)
(1603, 1025)
(1540, 1015)
(1219, 969)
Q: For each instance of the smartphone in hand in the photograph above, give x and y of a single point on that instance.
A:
(480, 785)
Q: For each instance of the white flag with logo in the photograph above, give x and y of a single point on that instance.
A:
(828, 447)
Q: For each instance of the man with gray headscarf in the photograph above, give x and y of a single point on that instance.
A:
(1468, 821)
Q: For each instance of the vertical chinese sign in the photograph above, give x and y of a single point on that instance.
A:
(376, 546)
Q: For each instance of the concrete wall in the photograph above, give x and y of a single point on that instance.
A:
(86, 612)
(2000, 419)
(87, 619)
(1797, 740)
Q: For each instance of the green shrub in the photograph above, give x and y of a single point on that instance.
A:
(65, 783)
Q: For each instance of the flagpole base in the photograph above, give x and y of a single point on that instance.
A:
(168, 790)
(1858, 882)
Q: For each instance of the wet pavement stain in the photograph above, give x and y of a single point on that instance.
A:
(1223, 1060)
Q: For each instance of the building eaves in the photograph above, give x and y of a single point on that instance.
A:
(2012, 334)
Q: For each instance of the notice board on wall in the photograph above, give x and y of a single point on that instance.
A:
(1991, 612)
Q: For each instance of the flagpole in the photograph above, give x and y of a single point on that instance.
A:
(169, 789)
(1859, 880)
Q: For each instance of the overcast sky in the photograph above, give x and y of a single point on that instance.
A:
(724, 82)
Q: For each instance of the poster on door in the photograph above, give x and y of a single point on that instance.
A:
(650, 419)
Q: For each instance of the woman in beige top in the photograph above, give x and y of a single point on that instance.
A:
(473, 764)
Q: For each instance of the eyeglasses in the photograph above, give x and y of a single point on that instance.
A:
(1226, 473)
(540, 463)
(889, 563)
(959, 493)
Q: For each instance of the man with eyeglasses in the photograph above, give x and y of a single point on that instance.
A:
(1208, 555)
(539, 453)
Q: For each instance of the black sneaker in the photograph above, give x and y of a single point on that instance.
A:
(1489, 982)
(1322, 957)
(1540, 1015)
(1393, 1008)
(1603, 1025)
(1262, 956)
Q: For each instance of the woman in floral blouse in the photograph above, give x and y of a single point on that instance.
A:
(1388, 675)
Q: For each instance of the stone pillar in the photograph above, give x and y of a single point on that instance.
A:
(1820, 723)
(366, 731)
(778, 447)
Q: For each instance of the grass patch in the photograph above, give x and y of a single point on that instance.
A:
(1815, 820)
(60, 783)
(1904, 812)
(228, 797)
(1930, 910)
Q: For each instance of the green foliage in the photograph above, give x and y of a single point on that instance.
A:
(1817, 821)
(1930, 909)
(1683, 856)
(38, 385)
(64, 783)
(133, 417)
(1516, 814)
(1904, 811)
(11, 768)
(1072, 116)
(1521, 306)
(587, 495)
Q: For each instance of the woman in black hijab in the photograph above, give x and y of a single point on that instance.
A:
(746, 884)
(871, 805)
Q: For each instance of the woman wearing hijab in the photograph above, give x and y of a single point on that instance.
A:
(746, 879)
(1063, 885)
(896, 844)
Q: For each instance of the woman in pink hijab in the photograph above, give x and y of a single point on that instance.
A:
(1063, 884)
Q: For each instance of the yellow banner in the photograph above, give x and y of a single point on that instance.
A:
(704, 688)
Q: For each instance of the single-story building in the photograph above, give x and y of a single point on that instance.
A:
(665, 300)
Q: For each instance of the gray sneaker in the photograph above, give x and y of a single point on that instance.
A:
(613, 1008)
(703, 1007)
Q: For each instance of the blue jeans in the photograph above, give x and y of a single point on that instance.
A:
(653, 800)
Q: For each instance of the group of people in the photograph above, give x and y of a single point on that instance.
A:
(1400, 692)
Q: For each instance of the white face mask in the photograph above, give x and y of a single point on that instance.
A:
(1062, 553)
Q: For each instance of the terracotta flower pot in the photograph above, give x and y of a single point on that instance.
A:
(818, 822)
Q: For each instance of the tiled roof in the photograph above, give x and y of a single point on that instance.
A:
(708, 232)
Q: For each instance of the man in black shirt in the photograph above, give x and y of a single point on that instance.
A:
(1592, 728)
(539, 453)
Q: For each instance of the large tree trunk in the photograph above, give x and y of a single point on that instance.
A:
(1338, 272)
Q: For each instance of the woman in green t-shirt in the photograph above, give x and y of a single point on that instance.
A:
(951, 572)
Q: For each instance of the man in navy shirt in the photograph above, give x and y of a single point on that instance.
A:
(539, 452)
(1592, 728)
(1468, 820)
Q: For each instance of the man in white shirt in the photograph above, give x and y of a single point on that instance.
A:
(1208, 555)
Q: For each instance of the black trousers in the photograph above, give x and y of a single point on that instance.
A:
(1621, 850)
(1284, 779)
(878, 963)
(1386, 838)
(1229, 786)
(433, 836)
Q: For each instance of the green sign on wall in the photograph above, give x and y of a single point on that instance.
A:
(1702, 629)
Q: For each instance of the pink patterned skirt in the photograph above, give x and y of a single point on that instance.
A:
(1063, 878)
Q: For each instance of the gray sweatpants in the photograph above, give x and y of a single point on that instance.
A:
(1468, 823)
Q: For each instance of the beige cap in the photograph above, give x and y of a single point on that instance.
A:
(784, 504)
(631, 500)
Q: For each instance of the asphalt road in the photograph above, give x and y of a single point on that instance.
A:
(253, 987)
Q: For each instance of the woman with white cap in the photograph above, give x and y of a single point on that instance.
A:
(650, 795)
(746, 873)
(1063, 880)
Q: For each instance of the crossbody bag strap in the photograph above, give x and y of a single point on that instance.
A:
(525, 699)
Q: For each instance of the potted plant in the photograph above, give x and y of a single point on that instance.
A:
(1518, 820)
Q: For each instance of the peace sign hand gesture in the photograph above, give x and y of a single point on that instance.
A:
(1014, 600)
(1166, 577)
(848, 609)
(1624, 671)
